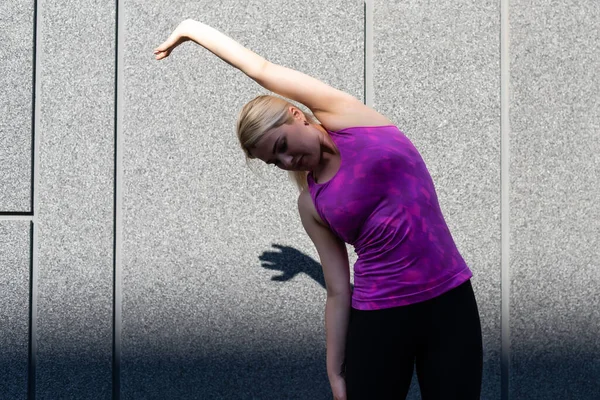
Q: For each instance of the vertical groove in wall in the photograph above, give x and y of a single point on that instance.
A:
(33, 284)
(33, 252)
(117, 223)
(505, 197)
(368, 32)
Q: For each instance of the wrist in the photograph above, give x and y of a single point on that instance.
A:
(334, 374)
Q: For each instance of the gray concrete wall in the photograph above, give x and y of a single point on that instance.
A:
(222, 293)
(15, 242)
(16, 81)
(555, 207)
(75, 199)
(218, 291)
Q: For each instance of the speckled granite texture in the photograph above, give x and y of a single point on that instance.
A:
(555, 212)
(204, 312)
(223, 296)
(16, 81)
(15, 239)
(75, 194)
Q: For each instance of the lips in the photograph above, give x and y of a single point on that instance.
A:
(298, 162)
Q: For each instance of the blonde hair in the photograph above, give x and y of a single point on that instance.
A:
(261, 114)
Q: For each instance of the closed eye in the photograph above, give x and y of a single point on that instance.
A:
(282, 149)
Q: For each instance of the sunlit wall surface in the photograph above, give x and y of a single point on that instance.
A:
(140, 258)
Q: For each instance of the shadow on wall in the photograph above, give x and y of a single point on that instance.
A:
(291, 262)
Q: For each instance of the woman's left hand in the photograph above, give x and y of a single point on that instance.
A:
(338, 387)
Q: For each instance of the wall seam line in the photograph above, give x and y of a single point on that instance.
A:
(34, 242)
(117, 223)
(505, 194)
(368, 60)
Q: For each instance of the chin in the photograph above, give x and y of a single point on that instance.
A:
(307, 165)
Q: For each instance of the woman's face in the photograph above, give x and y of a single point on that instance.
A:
(294, 147)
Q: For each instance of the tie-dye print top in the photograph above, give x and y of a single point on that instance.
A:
(383, 202)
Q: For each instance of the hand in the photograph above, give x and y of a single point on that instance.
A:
(178, 36)
(338, 387)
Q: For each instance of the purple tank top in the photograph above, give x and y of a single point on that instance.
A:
(383, 202)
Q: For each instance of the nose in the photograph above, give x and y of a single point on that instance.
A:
(287, 160)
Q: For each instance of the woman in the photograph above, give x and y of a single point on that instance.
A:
(363, 182)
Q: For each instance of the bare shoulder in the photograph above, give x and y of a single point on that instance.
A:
(331, 249)
(349, 113)
(307, 209)
(334, 108)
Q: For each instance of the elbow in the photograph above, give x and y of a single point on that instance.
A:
(343, 293)
(339, 301)
(259, 71)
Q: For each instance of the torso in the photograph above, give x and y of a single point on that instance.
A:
(355, 114)
(394, 222)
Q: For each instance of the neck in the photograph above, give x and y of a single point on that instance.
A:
(327, 144)
(328, 152)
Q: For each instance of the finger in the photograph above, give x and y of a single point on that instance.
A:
(169, 42)
(162, 55)
(164, 46)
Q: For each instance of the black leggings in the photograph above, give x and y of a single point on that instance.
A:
(442, 336)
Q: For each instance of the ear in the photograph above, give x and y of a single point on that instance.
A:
(296, 112)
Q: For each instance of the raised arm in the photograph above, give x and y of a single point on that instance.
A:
(219, 44)
(295, 85)
(335, 109)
